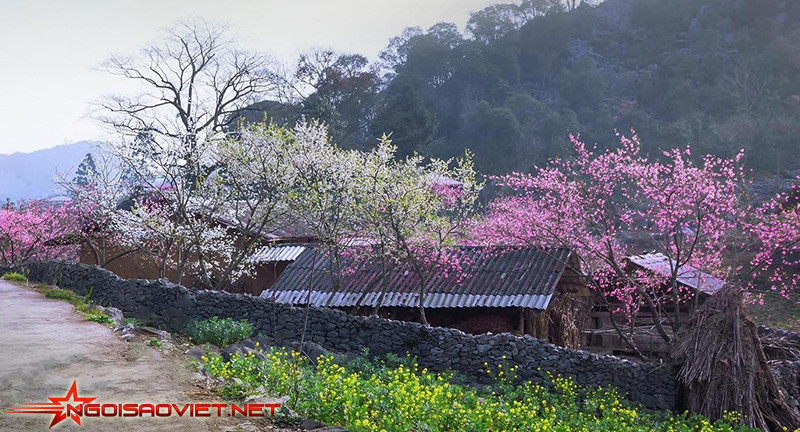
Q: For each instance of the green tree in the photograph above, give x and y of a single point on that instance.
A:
(342, 93)
(86, 171)
(404, 115)
(494, 133)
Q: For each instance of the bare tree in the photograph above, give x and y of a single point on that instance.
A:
(193, 81)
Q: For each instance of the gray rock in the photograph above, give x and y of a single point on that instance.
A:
(116, 316)
(311, 425)
(264, 399)
(162, 335)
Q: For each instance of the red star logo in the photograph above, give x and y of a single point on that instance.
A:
(57, 406)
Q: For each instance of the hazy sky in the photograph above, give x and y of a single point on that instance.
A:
(49, 47)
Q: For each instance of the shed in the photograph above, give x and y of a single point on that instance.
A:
(688, 276)
(501, 289)
(268, 262)
(600, 334)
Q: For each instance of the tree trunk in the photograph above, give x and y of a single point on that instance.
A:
(422, 318)
(384, 283)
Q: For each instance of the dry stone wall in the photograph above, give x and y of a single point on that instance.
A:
(173, 307)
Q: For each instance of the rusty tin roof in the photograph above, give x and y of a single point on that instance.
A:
(687, 275)
(494, 277)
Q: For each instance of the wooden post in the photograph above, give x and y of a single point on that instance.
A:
(522, 321)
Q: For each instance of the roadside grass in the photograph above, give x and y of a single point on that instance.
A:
(132, 321)
(15, 277)
(394, 397)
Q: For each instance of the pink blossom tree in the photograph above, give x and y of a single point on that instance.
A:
(607, 205)
(36, 230)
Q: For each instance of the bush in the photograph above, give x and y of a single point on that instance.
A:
(15, 277)
(402, 398)
(132, 321)
(220, 332)
(102, 319)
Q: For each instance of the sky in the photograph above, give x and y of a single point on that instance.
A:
(50, 50)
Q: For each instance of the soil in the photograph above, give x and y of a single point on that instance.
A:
(45, 345)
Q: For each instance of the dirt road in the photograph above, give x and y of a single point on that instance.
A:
(45, 345)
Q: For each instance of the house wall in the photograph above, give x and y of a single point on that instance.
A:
(473, 320)
(174, 307)
(263, 277)
(600, 335)
(133, 266)
(142, 266)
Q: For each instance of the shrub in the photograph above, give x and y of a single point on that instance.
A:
(220, 332)
(102, 319)
(132, 321)
(15, 277)
(400, 398)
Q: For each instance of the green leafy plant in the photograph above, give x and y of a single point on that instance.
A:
(220, 331)
(132, 321)
(88, 296)
(102, 319)
(154, 343)
(15, 277)
(401, 397)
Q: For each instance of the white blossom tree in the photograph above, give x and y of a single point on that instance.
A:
(251, 192)
(192, 81)
(417, 212)
(327, 192)
(95, 204)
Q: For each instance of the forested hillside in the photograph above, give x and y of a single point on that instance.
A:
(717, 74)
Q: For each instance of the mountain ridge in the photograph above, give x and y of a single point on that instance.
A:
(31, 175)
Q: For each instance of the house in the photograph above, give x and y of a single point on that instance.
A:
(268, 263)
(688, 276)
(600, 334)
(520, 290)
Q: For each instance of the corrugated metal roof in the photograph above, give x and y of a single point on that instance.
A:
(495, 277)
(277, 253)
(441, 180)
(687, 276)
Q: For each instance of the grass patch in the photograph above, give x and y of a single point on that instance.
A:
(15, 277)
(154, 343)
(399, 398)
(219, 331)
(82, 304)
(62, 294)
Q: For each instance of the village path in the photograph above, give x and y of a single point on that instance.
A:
(45, 345)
